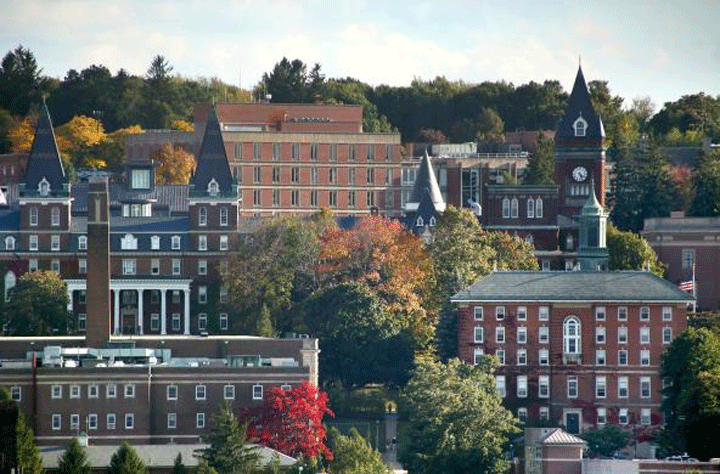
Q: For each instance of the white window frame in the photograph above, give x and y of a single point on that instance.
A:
(500, 354)
(229, 392)
(600, 357)
(111, 421)
(155, 242)
(200, 420)
(500, 335)
(172, 421)
(224, 242)
(33, 243)
(55, 216)
(129, 421)
(479, 334)
(543, 357)
(600, 386)
(622, 335)
(600, 335)
(202, 243)
(644, 313)
(478, 313)
(667, 335)
(623, 357)
(600, 313)
(572, 336)
(522, 335)
(521, 357)
(521, 386)
(623, 387)
(601, 416)
(667, 313)
(56, 422)
(74, 391)
(478, 354)
(645, 383)
(257, 392)
(111, 390)
(623, 417)
(644, 335)
(573, 387)
(224, 322)
(501, 386)
(171, 392)
(645, 357)
(56, 391)
(93, 391)
(200, 392)
(202, 267)
(543, 313)
(543, 335)
(202, 216)
(499, 313)
(175, 242)
(522, 313)
(82, 242)
(129, 390)
(622, 313)
(55, 243)
(92, 421)
(74, 421)
(645, 417)
(544, 386)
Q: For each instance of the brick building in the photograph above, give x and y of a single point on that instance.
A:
(578, 348)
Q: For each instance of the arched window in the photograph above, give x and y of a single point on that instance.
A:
(514, 208)
(213, 188)
(580, 127)
(9, 242)
(33, 216)
(44, 187)
(538, 207)
(432, 221)
(529, 239)
(572, 343)
(202, 216)
(531, 208)
(128, 242)
(506, 208)
(419, 222)
(155, 242)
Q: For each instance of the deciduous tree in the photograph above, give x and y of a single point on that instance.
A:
(38, 306)
(457, 422)
(629, 251)
(291, 421)
(606, 440)
(176, 165)
(353, 455)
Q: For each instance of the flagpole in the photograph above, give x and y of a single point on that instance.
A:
(694, 288)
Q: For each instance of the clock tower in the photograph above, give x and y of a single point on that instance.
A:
(579, 152)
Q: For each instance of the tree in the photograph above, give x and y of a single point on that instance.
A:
(353, 455)
(606, 441)
(21, 134)
(629, 251)
(229, 451)
(38, 306)
(490, 127)
(691, 397)
(79, 138)
(291, 421)
(178, 466)
(361, 341)
(176, 165)
(457, 421)
(541, 164)
(126, 461)
(21, 83)
(18, 450)
(706, 186)
(430, 135)
(204, 468)
(74, 459)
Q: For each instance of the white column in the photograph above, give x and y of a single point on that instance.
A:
(116, 315)
(70, 299)
(163, 310)
(140, 315)
(187, 311)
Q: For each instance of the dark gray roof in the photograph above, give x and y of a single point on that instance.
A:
(173, 197)
(10, 220)
(425, 182)
(44, 160)
(579, 105)
(212, 162)
(635, 286)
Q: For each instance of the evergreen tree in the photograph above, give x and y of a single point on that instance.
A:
(74, 459)
(353, 455)
(541, 164)
(228, 451)
(178, 466)
(264, 324)
(204, 468)
(706, 200)
(126, 461)
(27, 452)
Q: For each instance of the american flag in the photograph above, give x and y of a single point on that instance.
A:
(687, 285)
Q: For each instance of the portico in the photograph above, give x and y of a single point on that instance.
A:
(129, 302)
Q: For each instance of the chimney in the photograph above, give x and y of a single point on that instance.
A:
(98, 271)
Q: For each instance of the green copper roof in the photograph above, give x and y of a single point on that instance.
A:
(592, 206)
(557, 286)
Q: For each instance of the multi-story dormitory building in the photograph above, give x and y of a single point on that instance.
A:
(138, 260)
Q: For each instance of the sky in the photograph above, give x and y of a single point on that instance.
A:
(663, 49)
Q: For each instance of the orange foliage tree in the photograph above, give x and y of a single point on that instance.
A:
(176, 165)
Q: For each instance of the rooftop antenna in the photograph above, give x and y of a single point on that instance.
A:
(580, 60)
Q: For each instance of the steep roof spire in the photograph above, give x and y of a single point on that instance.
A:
(212, 175)
(426, 182)
(44, 173)
(580, 125)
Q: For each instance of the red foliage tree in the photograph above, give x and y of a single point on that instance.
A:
(290, 421)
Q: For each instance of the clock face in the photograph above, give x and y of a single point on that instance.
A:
(579, 174)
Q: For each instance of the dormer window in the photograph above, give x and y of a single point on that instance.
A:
(155, 242)
(432, 221)
(129, 242)
(9, 242)
(43, 187)
(580, 127)
(213, 188)
(419, 222)
(140, 179)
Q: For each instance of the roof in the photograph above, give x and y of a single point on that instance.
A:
(592, 206)
(44, 161)
(580, 105)
(560, 437)
(425, 182)
(212, 161)
(559, 286)
(157, 455)
(174, 197)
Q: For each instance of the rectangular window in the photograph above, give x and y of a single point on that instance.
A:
(56, 421)
(667, 313)
(33, 243)
(314, 151)
(176, 321)
(202, 322)
(200, 420)
(176, 266)
(521, 357)
(129, 266)
(313, 176)
(370, 199)
(33, 265)
(543, 335)
(522, 414)
(622, 313)
(74, 421)
(202, 242)
(500, 385)
(257, 174)
(175, 242)
(229, 392)
(622, 335)
(333, 152)
(56, 391)
(172, 421)
(667, 335)
(572, 386)
(500, 335)
(155, 266)
(257, 151)
(522, 386)
(172, 392)
(110, 420)
(623, 387)
(92, 421)
(600, 357)
(623, 416)
(129, 390)
(33, 216)
(82, 266)
(295, 198)
(645, 357)
(129, 421)
(276, 174)
(544, 386)
(644, 335)
(522, 335)
(645, 416)
(478, 354)
(276, 197)
(600, 335)
(478, 313)
(371, 152)
(543, 313)
(224, 243)
(237, 146)
(15, 394)
(313, 198)
(93, 391)
(223, 321)
(601, 416)
(257, 392)
(200, 392)
(600, 313)
(499, 312)
(74, 391)
(600, 386)
(644, 387)
(544, 357)
(276, 152)
(110, 390)
(352, 153)
(688, 259)
(644, 313)
(154, 322)
(202, 267)
(82, 242)
(622, 357)
(202, 294)
(500, 354)
(479, 335)
(224, 216)
(544, 414)
(522, 313)
(82, 321)
(295, 151)
(370, 174)
(55, 266)
(140, 179)
(332, 198)
(55, 243)
(531, 208)
(202, 216)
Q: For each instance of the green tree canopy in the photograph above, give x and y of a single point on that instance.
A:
(21, 83)
(126, 461)
(178, 466)
(74, 459)
(606, 440)
(706, 186)
(229, 451)
(541, 164)
(38, 306)
(25, 452)
(457, 421)
(353, 454)
(629, 251)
